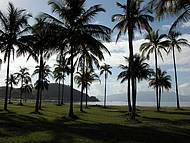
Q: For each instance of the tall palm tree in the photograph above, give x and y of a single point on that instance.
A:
(156, 43)
(175, 44)
(162, 81)
(27, 88)
(142, 70)
(14, 24)
(22, 76)
(134, 17)
(74, 21)
(106, 69)
(12, 81)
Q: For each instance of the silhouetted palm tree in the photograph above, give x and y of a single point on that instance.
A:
(27, 88)
(156, 43)
(162, 81)
(22, 76)
(175, 44)
(74, 23)
(134, 17)
(12, 81)
(13, 25)
(106, 69)
(142, 70)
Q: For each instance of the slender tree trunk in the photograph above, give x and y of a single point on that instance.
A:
(131, 65)
(176, 82)
(7, 83)
(63, 87)
(129, 95)
(40, 102)
(159, 99)
(81, 99)
(21, 91)
(82, 86)
(105, 90)
(86, 96)
(156, 66)
(135, 92)
(38, 90)
(59, 94)
(10, 94)
(71, 114)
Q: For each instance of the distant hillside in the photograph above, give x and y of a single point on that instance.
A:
(51, 94)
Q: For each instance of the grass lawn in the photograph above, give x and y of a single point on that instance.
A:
(97, 125)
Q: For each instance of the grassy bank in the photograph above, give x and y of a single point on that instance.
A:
(97, 125)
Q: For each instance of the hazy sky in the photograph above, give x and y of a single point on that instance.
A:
(117, 50)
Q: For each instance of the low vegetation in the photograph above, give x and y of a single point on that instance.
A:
(103, 125)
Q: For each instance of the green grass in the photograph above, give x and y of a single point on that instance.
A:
(97, 125)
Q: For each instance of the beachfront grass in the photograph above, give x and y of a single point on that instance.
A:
(96, 125)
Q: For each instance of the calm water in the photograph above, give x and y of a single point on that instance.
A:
(148, 104)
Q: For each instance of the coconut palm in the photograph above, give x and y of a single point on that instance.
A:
(155, 44)
(74, 23)
(14, 24)
(12, 81)
(134, 17)
(142, 70)
(175, 44)
(43, 83)
(27, 88)
(162, 81)
(106, 69)
(22, 76)
(88, 78)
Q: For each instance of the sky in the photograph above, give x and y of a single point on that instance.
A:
(118, 50)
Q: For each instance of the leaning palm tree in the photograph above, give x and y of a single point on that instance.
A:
(175, 44)
(22, 76)
(12, 81)
(162, 81)
(13, 25)
(106, 69)
(134, 17)
(142, 70)
(74, 22)
(155, 44)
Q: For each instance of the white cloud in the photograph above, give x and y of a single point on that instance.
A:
(166, 27)
(184, 89)
(187, 24)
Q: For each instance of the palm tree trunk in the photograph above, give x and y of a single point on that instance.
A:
(135, 91)
(81, 99)
(156, 66)
(129, 91)
(71, 114)
(39, 79)
(159, 97)
(86, 96)
(105, 91)
(21, 91)
(176, 82)
(7, 84)
(10, 94)
(131, 65)
(82, 86)
(63, 87)
(59, 94)
(40, 100)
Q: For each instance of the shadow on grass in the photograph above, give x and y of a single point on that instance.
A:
(67, 130)
(177, 112)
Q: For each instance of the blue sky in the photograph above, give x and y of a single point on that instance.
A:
(117, 50)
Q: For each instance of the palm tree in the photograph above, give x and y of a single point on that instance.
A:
(179, 7)
(12, 81)
(142, 70)
(88, 78)
(43, 83)
(73, 22)
(155, 44)
(134, 16)
(27, 88)
(175, 44)
(22, 76)
(162, 81)
(13, 25)
(106, 69)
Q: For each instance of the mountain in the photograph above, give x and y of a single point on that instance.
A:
(51, 94)
(147, 96)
